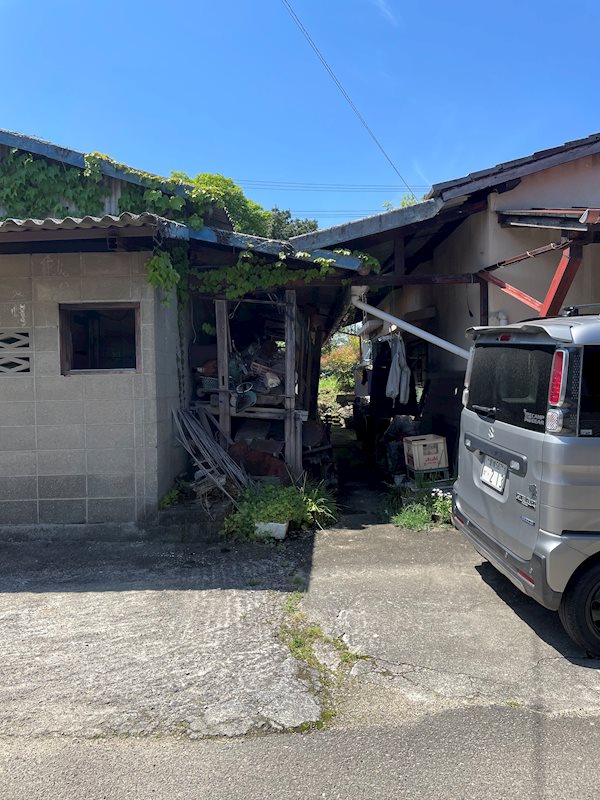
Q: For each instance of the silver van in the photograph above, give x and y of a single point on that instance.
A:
(528, 489)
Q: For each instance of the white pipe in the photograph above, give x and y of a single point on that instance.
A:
(429, 337)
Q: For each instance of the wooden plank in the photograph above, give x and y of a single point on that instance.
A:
(511, 290)
(222, 325)
(562, 280)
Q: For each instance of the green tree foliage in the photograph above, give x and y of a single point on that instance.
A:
(284, 226)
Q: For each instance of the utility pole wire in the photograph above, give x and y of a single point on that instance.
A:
(345, 94)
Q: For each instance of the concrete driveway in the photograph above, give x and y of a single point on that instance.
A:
(442, 627)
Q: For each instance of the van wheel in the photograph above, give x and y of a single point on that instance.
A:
(580, 610)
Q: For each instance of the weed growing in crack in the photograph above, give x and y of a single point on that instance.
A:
(301, 637)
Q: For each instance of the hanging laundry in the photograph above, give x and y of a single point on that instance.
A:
(398, 382)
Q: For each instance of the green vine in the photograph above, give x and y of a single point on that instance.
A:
(253, 273)
(35, 187)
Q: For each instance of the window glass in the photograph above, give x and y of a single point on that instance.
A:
(589, 414)
(98, 338)
(512, 380)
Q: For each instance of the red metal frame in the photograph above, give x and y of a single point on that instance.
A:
(560, 284)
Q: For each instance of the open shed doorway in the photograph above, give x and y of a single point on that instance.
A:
(389, 427)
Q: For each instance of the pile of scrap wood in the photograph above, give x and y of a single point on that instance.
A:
(216, 473)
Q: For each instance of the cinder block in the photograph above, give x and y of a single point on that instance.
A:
(15, 387)
(60, 412)
(60, 437)
(116, 437)
(16, 413)
(59, 387)
(61, 462)
(45, 339)
(107, 264)
(109, 386)
(61, 290)
(15, 315)
(115, 510)
(146, 460)
(51, 487)
(110, 462)
(19, 512)
(23, 488)
(108, 486)
(46, 363)
(111, 411)
(17, 438)
(15, 290)
(45, 314)
(62, 512)
(56, 265)
(17, 266)
(105, 289)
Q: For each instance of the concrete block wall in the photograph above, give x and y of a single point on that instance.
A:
(84, 448)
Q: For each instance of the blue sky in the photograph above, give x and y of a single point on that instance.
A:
(232, 87)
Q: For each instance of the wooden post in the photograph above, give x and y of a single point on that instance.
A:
(293, 453)
(399, 267)
(222, 324)
(484, 302)
(314, 369)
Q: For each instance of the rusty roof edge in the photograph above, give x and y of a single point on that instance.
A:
(536, 162)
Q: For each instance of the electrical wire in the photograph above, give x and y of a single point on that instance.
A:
(345, 94)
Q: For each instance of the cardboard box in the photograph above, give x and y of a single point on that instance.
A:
(427, 452)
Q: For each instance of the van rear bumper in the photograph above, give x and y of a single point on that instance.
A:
(515, 569)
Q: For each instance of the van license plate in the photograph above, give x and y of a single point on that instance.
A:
(493, 473)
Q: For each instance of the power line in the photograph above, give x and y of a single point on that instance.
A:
(345, 94)
(323, 187)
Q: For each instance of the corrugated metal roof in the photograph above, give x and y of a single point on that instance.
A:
(542, 159)
(82, 223)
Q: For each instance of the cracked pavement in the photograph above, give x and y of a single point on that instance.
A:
(442, 628)
(140, 669)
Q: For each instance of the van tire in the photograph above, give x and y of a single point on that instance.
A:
(575, 610)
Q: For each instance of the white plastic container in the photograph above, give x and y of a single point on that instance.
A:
(273, 530)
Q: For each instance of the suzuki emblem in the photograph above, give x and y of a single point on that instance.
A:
(490, 433)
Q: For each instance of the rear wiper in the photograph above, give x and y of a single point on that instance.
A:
(488, 411)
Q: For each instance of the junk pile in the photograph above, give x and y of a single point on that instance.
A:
(216, 473)
(256, 374)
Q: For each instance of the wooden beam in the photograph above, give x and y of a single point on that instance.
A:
(511, 290)
(272, 247)
(391, 279)
(222, 325)
(562, 280)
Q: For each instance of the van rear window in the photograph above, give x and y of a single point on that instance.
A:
(513, 380)
(589, 411)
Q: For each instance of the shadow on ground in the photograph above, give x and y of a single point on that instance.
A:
(125, 566)
(546, 624)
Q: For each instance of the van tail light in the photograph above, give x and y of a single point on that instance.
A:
(556, 393)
